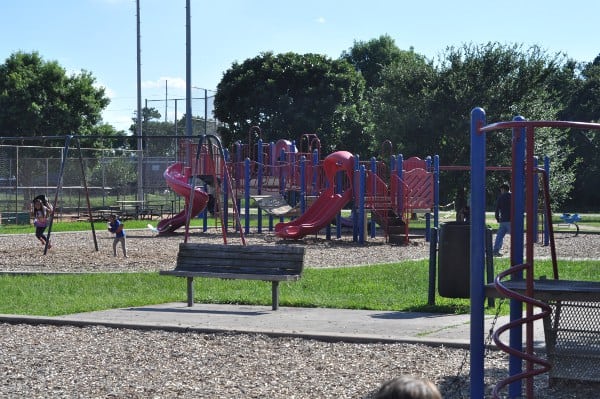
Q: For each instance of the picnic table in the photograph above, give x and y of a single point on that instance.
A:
(131, 209)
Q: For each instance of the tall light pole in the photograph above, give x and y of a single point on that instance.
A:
(140, 152)
(188, 70)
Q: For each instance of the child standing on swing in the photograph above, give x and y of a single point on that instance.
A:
(41, 212)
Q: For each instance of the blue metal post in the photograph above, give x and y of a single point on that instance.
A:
(338, 218)
(358, 212)
(315, 171)
(260, 162)
(302, 183)
(547, 221)
(516, 244)
(282, 176)
(477, 251)
(436, 191)
(363, 185)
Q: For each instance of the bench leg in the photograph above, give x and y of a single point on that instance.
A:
(275, 295)
(190, 291)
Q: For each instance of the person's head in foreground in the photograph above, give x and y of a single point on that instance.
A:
(407, 387)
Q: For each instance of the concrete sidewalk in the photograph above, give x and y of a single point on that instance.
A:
(319, 323)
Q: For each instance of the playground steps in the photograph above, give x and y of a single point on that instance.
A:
(393, 225)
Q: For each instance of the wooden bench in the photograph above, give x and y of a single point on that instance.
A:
(251, 262)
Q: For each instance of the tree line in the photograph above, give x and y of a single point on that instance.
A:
(372, 93)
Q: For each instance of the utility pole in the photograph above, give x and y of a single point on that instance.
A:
(140, 147)
(166, 98)
(188, 71)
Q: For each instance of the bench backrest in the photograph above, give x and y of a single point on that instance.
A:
(249, 259)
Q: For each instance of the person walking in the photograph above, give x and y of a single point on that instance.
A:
(41, 211)
(502, 213)
(115, 226)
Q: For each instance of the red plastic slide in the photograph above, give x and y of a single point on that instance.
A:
(177, 180)
(319, 215)
(326, 207)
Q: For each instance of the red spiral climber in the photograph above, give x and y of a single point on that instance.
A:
(528, 354)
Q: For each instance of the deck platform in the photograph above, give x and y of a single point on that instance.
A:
(572, 330)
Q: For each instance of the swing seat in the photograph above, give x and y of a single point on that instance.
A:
(275, 205)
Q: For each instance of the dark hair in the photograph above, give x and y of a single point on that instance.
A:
(41, 197)
(407, 387)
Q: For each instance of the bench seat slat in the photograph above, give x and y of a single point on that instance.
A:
(241, 260)
(276, 268)
(245, 249)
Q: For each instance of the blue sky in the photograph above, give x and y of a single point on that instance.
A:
(100, 35)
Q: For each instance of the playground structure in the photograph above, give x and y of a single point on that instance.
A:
(247, 179)
(283, 178)
(570, 309)
(287, 182)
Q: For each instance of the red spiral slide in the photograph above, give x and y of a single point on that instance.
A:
(177, 180)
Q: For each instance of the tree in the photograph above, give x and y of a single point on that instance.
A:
(372, 57)
(152, 126)
(399, 108)
(106, 136)
(584, 106)
(38, 98)
(288, 95)
(506, 81)
(378, 60)
(433, 110)
(117, 171)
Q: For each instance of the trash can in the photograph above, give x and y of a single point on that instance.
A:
(454, 259)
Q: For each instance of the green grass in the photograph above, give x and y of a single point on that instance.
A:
(393, 287)
(398, 287)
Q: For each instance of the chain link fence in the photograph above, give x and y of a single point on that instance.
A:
(111, 175)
